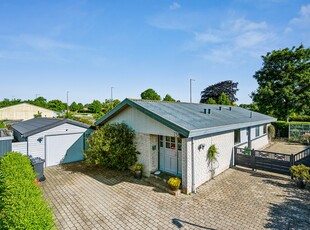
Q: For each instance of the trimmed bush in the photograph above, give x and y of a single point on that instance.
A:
(281, 128)
(22, 205)
(112, 146)
(300, 118)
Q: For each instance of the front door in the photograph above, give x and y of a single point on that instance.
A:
(170, 155)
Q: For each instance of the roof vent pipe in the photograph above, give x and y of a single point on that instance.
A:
(220, 108)
(209, 111)
(205, 111)
(229, 108)
(250, 114)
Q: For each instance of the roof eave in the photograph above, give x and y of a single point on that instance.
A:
(218, 129)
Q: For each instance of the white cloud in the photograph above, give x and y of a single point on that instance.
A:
(38, 42)
(302, 21)
(208, 37)
(174, 6)
(245, 25)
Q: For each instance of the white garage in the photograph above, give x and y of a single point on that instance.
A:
(54, 140)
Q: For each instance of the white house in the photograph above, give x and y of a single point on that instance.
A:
(174, 137)
(54, 140)
(24, 111)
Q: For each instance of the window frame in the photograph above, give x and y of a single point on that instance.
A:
(237, 136)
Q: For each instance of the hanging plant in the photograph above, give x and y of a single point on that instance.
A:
(212, 152)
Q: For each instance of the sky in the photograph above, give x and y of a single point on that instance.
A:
(86, 47)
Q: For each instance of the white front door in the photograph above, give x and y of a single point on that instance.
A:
(170, 155)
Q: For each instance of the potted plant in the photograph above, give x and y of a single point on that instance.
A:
(174, 183)
(138, 170)
(211, 155)
(305, 139)
(301, 174)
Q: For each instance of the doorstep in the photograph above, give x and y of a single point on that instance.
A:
(161, 182)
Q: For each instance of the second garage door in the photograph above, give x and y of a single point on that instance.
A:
(64, 148)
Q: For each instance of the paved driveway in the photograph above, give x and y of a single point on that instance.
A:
(236, 199)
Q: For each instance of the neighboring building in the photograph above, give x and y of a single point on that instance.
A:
(54, 140)
(24, 111)
(174, 137)
(6, 138)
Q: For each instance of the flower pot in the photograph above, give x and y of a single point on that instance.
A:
(174, 188)
(301, 183)
(138, 174)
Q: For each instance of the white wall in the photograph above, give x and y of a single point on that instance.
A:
(142, 123)
(37, 149)
(20, 147)
(202, 169)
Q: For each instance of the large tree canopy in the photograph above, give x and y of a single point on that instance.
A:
(215, 91)
(150, 94)
(284, 83)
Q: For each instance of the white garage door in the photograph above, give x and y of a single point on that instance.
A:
(58, 146)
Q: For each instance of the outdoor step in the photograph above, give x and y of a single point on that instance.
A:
(159, 183)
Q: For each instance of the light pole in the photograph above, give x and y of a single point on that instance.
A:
(112, 93)
(190, 89)
(67, 104)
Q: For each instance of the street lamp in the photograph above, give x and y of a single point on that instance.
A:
(190, 89)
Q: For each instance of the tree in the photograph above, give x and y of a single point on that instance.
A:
(39, 101)
(210, 101)
(214, 91)
(252, 106)
(80, 106)
(108, 105)
(223, 99)
(8, 102)
(56, 105)
(150, 94)
(95, 106)
(284, 83)
(112, 146)
(74, 107)
(168, 98)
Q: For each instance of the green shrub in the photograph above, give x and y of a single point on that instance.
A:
(271, 132)
(22, 205)
(300, 118)
(112, 146)
(281, 128)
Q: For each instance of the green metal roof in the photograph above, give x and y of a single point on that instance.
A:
(190, 119)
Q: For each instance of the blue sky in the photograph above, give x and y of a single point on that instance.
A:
(85, 47)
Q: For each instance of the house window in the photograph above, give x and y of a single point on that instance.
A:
(257, 131)
(179, 144)
(170, 142)
(161, 141)
(265, 129)
(237, 136)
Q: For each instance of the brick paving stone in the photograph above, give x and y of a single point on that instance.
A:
(236, 199)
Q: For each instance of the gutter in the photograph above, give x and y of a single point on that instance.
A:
(193, 166)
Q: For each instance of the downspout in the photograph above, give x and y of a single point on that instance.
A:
(249, 138)
(193, 165)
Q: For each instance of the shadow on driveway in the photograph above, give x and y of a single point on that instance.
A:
(107, 176)
(294, 212)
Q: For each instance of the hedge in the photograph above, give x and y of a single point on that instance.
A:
(300, 118)
(282, 128)
(22, 205)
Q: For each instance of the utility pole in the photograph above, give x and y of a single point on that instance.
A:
(67, 104)
(112, 94)
(190, 89)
